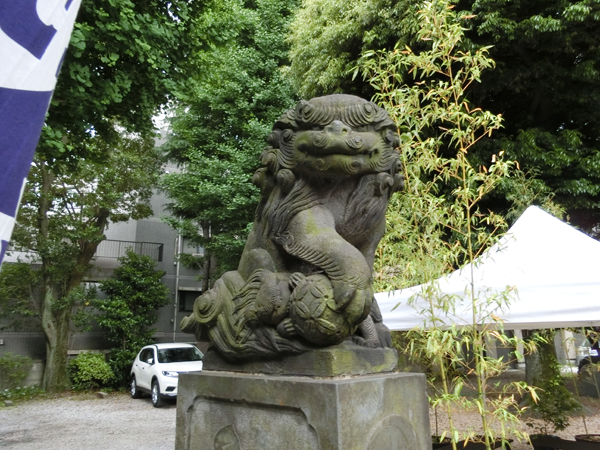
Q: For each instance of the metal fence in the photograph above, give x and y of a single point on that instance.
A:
(110, 248)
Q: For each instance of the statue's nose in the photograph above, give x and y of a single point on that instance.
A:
(337, 127)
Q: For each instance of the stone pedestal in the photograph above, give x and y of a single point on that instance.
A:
(338, 360)
(246, 411)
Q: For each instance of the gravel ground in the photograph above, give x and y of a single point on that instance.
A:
(83, 421)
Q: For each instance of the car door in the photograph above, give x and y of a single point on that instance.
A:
(147, 360)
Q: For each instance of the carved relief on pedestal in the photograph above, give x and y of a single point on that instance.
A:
(227, 439)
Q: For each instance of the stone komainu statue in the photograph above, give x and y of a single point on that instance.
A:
(305, 277)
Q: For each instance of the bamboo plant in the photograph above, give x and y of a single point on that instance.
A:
(437, 224)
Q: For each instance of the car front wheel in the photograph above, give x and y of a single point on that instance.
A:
(156, 400)
(135, 392)
(583, 364)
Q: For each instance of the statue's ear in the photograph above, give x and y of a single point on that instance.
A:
(393, 136)
(287, 121)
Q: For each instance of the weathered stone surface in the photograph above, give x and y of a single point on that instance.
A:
(218, 410)
(305, 276)
(346, 358)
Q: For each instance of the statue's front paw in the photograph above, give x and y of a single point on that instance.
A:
(296, 278)
(359, 340)
(384, 335)
(286, 328)
(190, 325)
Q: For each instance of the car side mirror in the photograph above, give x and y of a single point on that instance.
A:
(150, 361)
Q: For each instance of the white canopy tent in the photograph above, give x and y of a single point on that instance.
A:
(554, 268)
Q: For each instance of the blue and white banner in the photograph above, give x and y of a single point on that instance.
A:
(34, 35)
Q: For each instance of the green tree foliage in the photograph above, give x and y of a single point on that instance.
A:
(328, 37)
(124, 61)
(17, 281)
(436, 224)
(134, 293)
(61, 222)
(220, 127)
(545, 84)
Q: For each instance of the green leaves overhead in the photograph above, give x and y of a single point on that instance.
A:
(327, 37)
(437, 223)
(125, 60)
(546, 85)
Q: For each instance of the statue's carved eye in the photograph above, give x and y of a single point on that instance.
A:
(391, 137)
(320, 140)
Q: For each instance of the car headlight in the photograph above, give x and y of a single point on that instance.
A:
(168, 373)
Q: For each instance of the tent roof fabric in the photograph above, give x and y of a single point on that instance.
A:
(553, 269)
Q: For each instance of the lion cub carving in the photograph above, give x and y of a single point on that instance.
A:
(305, 276)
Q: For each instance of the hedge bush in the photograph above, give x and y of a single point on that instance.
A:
(13, 370)
(90, 371)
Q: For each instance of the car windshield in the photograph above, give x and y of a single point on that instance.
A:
(183, 354)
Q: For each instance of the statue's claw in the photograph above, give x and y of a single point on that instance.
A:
(384, 335)
(359, 340)
(296, 279)
(373, 334)
(286, 328)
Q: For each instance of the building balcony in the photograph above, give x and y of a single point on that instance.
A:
(111, 248)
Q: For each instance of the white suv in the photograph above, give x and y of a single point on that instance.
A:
(156, 369)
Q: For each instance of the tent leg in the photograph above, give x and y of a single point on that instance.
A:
(520, 349)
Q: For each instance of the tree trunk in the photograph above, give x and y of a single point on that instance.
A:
(55, 309)
(53, 323)
(56, 329)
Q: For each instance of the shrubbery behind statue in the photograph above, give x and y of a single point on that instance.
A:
(305, 277)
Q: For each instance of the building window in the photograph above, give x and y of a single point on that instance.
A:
(187, 299)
